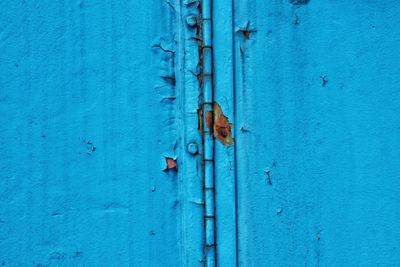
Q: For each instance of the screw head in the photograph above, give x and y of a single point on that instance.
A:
(192, 148)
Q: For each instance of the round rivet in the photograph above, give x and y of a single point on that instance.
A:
(192, 148)
(191, 21)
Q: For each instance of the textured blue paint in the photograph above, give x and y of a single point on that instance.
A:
(94, 95)
(87, 114)
(318, 163)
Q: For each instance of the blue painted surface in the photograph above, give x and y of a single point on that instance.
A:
(94, 95)
(87, 115)
(224, 155)
(331, 149)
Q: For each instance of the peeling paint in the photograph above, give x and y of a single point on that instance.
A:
(246, 30)
(171, 164)
(89, 145)
(279, 211)
(296, 20)
(222, 126)
(268, 174)
(324, 80)
(189, 2)
(299, 2)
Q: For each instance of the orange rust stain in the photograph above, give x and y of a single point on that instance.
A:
(246, 34)
(209, 120)
(222, 127)
(200, 121)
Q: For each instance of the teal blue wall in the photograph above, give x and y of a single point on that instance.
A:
(95, 95)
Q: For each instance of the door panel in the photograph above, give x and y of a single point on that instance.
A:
(107, 160)
(88, 120)
(317, 133)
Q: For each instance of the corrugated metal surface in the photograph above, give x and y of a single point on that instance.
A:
(100, 100)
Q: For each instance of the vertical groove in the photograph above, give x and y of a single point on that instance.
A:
(235, 131)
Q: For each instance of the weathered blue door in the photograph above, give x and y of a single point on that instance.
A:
(199, 133)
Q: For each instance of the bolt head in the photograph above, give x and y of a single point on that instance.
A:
(192, 148)
(191, 21)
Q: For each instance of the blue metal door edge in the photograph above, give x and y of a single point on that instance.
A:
(224, 154)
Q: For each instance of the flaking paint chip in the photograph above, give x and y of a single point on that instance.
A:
(299, 2)
(222, 126)
(170, 164)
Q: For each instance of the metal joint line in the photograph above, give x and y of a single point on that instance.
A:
(208, 139)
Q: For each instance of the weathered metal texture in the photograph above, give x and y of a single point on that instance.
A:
(199, 133)
(317, 132)
(98, 107)
(191, 173)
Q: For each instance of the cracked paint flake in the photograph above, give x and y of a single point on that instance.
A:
(299, 2)
(170, 164)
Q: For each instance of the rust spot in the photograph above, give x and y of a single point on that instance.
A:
(171, 164)
(209, 120)
(199, 41)
(246, 34)
(247, 30)
(200, 121)
(222, 127)
(200, 79)
(200, 8)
